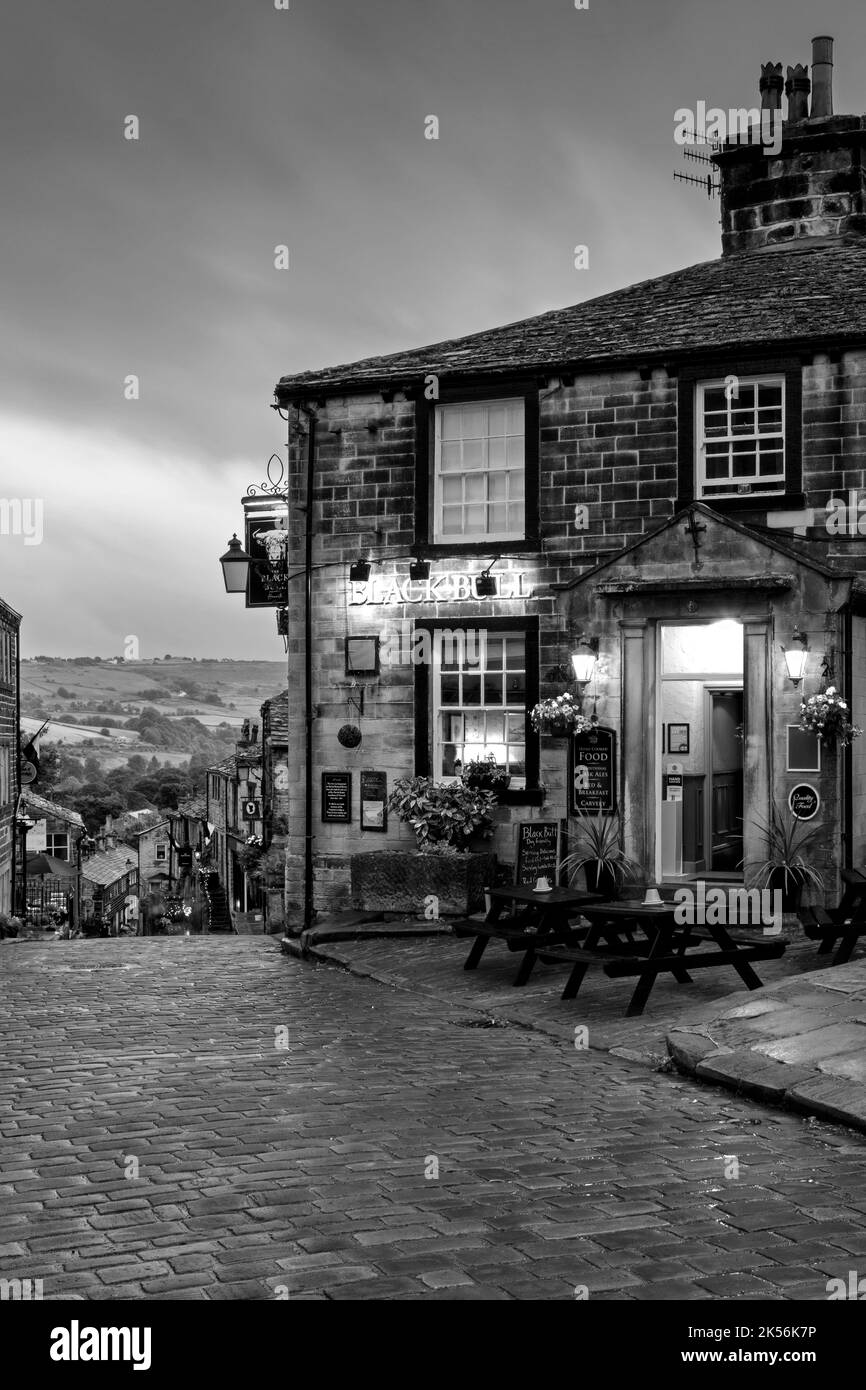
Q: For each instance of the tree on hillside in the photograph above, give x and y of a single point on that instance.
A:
(95, 801)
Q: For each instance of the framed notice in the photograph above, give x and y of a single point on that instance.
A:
(804, 750)
(678, 738)
(374, 801)
(337, 798)
(592, 773)
(537, 852)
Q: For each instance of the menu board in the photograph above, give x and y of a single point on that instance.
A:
(374, 801)
(537, 852)
(337, 798)
(593, 771)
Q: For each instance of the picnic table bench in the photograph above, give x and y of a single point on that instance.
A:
(540, 919)
(661, 948)
(845, 923)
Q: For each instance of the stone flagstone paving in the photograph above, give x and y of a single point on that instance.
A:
(159, 1142)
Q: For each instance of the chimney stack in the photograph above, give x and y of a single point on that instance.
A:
(797, 90)
(822, 77)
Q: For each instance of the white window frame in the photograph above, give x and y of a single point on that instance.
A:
(160, 854)
(518, 780)
(50, 837)
(757, 485)
(440, 537)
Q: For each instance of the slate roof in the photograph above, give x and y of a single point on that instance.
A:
(39, 807)
(277, 716)
(195, 808)
(808, 292)
(107, 866)
(251, 756)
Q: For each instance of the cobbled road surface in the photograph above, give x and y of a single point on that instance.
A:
(200, 1118)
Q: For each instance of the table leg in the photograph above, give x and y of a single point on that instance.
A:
(479, 946)
(725, 943)
(525, 970)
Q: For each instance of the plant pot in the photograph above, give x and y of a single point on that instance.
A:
(489, 784)
(559, 728)
(600, 878)
(403, 880)
(791, 894)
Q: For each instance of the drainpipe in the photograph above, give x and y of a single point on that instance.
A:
(848, 802)
(308, 672)
(13, 900)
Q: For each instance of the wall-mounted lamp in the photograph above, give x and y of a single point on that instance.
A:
(236, 567)
(359, 573)
(583, 663)
(485, 584)
(419, 569)
(796, 656)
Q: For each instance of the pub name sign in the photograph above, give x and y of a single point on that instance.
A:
(437, 588)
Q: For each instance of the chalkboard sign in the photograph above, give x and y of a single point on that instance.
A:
(537, 852)
(804, 750)
(374, 801)
(337, 798)
(593, 771)
(804, 801)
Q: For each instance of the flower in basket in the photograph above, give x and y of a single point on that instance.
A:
(485, 773)
(826, 714)
(559, 712)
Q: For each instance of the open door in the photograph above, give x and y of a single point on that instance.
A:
(725, 770)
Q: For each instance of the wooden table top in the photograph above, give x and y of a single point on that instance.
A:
(571, 897)
(632, 907)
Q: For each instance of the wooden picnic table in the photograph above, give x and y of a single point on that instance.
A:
(661, 947)
(538, 919)
(845, 923)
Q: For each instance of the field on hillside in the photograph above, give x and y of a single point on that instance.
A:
(83, 701)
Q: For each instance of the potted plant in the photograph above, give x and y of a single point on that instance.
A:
(444, 876)
(559, 716)
(785, 869)
(485, 774)
(600, 854)
(826, 714)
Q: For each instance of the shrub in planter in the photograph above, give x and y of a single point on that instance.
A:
(785, 869)
(449, 812)
(486, 775)
(600, 854)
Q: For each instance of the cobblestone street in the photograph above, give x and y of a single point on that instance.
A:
(206, 1119)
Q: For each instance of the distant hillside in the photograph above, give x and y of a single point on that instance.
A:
(89, 703)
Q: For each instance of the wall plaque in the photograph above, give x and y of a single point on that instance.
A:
(337, 798)
(537, 852)
(804, 801)
(374, 801)
(593, 771)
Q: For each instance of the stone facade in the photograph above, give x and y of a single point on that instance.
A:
(9, 720)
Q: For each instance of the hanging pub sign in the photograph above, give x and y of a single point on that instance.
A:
(592, 773)
(337, 798)
(804, 801)
(266, 542)
(537, 852)
(374, 801)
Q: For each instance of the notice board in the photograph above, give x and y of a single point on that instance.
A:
(337, 798)
(537, 852)
(374, 801)
(592, 774)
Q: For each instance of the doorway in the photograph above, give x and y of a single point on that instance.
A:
(699, 713)
(724, 804)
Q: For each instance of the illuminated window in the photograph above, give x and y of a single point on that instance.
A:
(479, 701)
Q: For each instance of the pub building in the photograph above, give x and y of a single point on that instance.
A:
(670, 479)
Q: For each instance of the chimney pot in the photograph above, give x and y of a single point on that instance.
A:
(771, 85)
(797, 90)
(822, 76)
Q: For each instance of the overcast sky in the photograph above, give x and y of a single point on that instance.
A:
(260, 127)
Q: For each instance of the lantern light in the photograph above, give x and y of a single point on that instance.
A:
(797, 656)
(236, 567)
(359, 572)
(584, 662)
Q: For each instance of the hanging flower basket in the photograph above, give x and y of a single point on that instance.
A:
(349, 736)
(558, 717)
(826, 715)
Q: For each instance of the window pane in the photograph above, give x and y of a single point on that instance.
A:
(498, 516)
(493, 690)
(517, 760)
(450, 686)
(514, 452)
(451, 457)
(473, 454)
(495, 647)
(472, 690)
(452, 521)
(515, 654)
(474, 488)
(497, 487)
(496, 454)
(452, 489)
(515, 690)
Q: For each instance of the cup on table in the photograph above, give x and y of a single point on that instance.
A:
(542, 885)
